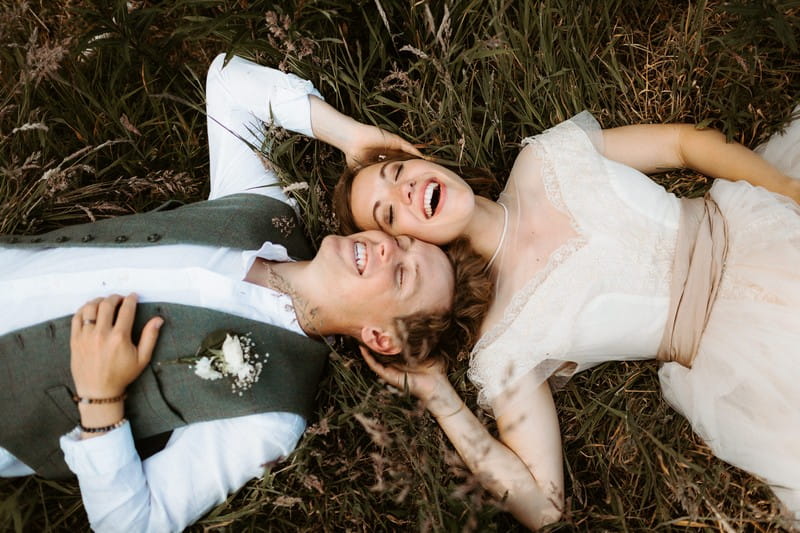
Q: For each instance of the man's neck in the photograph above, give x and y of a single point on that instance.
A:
(286, 277)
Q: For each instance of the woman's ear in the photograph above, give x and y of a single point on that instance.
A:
(382, 341)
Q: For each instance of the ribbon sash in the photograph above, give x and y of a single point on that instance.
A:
(697, 268)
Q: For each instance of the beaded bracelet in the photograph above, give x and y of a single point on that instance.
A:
(103, 429)
(93, 401)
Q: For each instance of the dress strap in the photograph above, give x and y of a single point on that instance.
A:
(697, 268)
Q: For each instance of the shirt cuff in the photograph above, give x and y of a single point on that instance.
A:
(101, 455)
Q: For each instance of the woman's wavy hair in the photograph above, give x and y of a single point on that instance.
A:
(448, 336)
(479, 179)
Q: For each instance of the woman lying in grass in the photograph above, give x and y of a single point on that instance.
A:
(594, 262)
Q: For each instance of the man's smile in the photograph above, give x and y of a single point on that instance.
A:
(360, 254)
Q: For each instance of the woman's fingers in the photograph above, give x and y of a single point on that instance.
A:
(374, 365)
(104, 359)
(86, 315)
(389, 373)
(384, 372)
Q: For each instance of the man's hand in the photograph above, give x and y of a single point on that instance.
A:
(104, 359)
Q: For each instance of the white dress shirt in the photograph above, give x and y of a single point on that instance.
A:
(202, 463)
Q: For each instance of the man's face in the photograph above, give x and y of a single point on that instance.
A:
(378, 278)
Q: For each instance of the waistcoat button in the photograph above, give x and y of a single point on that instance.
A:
(88, 237)
(153, 237)
(121, 238)
(62, 238)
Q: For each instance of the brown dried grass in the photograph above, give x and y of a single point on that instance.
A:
(100, 115)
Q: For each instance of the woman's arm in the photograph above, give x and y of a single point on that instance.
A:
(104, 360)
(524, 467)
(658, 147)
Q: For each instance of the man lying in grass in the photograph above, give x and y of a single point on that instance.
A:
(170, 419)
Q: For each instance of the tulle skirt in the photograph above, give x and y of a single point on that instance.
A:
(742, 395)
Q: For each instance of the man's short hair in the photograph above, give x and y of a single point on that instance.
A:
(448, 335)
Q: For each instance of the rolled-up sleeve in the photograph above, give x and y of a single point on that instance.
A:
(201, 464)
(240, 97)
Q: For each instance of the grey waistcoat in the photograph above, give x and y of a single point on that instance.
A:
(35, 382)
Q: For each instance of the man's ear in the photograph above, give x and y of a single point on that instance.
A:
(380, 340)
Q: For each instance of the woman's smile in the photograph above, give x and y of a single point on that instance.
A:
(432, 198)
(413, 197)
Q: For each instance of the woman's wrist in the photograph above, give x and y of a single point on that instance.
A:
(445, 402)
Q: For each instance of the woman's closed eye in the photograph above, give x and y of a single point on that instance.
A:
(389, 219)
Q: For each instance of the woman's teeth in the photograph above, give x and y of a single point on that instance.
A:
(360, 252)
(431, 198)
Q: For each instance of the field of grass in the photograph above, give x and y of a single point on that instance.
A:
(101, 115)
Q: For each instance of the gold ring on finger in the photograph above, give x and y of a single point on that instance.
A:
(91, 321)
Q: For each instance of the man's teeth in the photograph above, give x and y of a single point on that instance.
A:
(360, 251)
(429, 190)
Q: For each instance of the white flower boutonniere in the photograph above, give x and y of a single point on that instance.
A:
(233, 357)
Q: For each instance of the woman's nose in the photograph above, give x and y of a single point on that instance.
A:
(405, 191)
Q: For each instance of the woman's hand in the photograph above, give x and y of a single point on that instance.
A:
(428, 382)
(104, 359)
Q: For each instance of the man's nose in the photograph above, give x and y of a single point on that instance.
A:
(387, 248)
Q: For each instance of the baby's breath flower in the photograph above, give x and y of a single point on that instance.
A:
(236, 359)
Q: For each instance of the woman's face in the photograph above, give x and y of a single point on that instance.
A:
(413, 197)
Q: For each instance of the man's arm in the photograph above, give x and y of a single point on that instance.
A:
(239, 97)
(199, 467)
(242, 94)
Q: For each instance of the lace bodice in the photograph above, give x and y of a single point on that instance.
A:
(598, 288)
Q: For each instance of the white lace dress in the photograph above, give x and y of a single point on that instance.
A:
(604, 292)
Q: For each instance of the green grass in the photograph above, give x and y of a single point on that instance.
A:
(101, 115)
